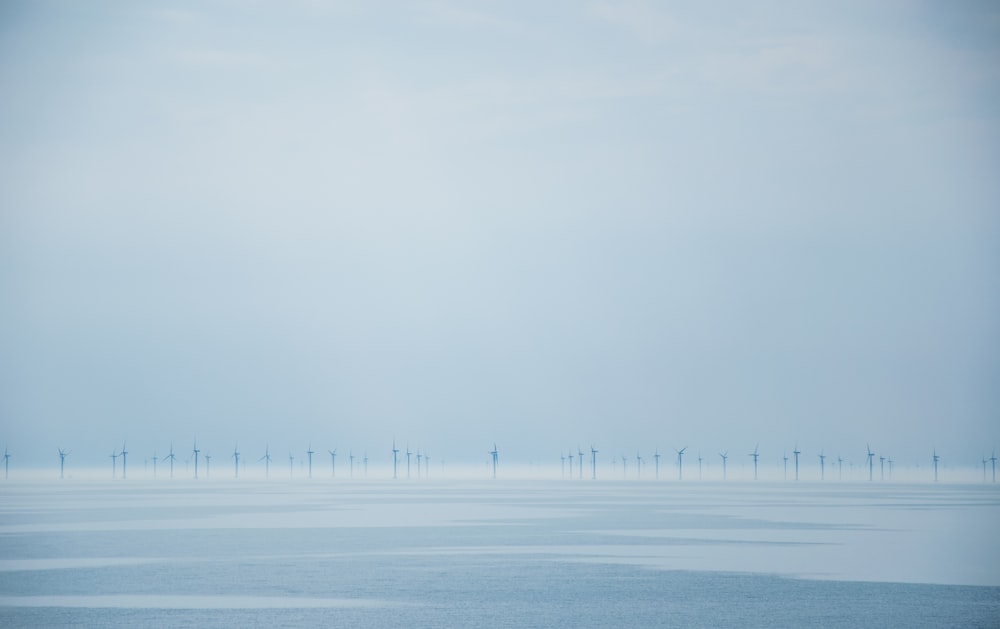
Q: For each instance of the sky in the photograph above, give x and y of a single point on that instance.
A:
(637, 225)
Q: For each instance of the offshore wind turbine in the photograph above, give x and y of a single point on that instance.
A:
(171, 457)
(155, 459)
(784, 457)
(195, 450)
(755, 456)
(680, 463)
(840, 468)
(114, 464)
(267, 461)
(699, 466)
(593, 462)
(656, 458)
(395, 451)
(427, 464)
(208, 465)
(310, 453)
(123, 455)
(236, 459)
(936, 457)
(881, 466)
(624, 467)
(420, 458)
(408, 453)
(571, 465)
(579, 460)
(822, 466)
(993, 459)
(365, 462)
(796, 453)
(638, 466)
(333, 463)
(871, 462)
(291, 465)
(350, 456)
(724, 455)
(890, 468)
(562, 460)
(493, 452)
(6, 463)
(63, 453)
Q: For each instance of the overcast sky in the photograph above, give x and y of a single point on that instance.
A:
(545, 224)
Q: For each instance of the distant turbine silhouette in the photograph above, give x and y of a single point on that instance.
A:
(420, 458)
(310, 454)
(6, 463)
(624, 467)
(236, 460)
(579, 460)
(408, 453)
(699, 466)
(350, 456)
(593, 462)
(796, 453)
(881, 467)
(155, 459)
(62, 463)
(114, 464)
(333, 463)
(680, 463)
(395, 451)
(784, 457)
(936, 458)
(291, 465)
(638, 466)
(171, 458)
(562, 459)
(871, 462)
(123, 455)
(724, 455)
(840, 468)
(993, 459)
(267, 461)
(822, 466)
(195, 450)
(571, 465)
(755, 455)
(365, 462)
(890, 468)
(493, 452)
(656, 466)
(208, 465)
(427, 465)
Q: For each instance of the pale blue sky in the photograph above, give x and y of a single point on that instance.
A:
(633, 224)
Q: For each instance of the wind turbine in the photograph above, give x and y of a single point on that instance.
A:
(236, 459)
(6, 463)
(395, 451)
(890, 468)
(579, 460)
(638, 465)
(699, 466)
(63, 453)
(724, 455)
(571, 465)
(350, 456)
(420, 458)
(755, 455)
(871, 462)
(881, 467)
(427, 464)
(208, 465)
(822, 466)
(195, 450)
(493, 452)
(936, 457)
(267, 461)
(562, 459)
(155, 459)
(114, 464)
(624, 467)
(784, 457)
(291, 464)
(124, 454)
(993, 459)
(171, 457)
(796, 453)
(840, 468)
(656, 458)
(984, 469)
(365, 462)
(593, 462)
(408, 453)
(333, 463)
(310, 453)
(680, 463)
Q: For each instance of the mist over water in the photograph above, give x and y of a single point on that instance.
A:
(506, 552)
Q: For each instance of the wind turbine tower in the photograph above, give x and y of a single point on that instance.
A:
(420, 459)
(680, 463)
(155, 459)
(784, 457)
(890, 468)
(796, 453)
(593, 462)
(114, 464)
(195, 450)
(408, 453)
(333, 463)
(395, 451)
(699, 466)
(208, 465)
(267, 461)
(840, 468)
(236, 459)
(291, 464)
(310, 454)
(562, 463)
(993, 459)
(493, 452)
(571, 464)
(881, 467)
(755, 456)
(638, 466)
(579, 460)
(936, 458)
(171, 457)
(63, 453)
(656, 464)
(724, 455)
(822, 466)
(871, 462)
(350, 457)
(124, 454)
(6, 463)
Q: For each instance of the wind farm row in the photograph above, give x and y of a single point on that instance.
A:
(573, 464)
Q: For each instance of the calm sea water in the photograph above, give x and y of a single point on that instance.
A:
(517, 553)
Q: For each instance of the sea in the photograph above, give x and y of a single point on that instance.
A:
(489, 552)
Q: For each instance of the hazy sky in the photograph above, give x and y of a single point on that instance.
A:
(545, 224)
